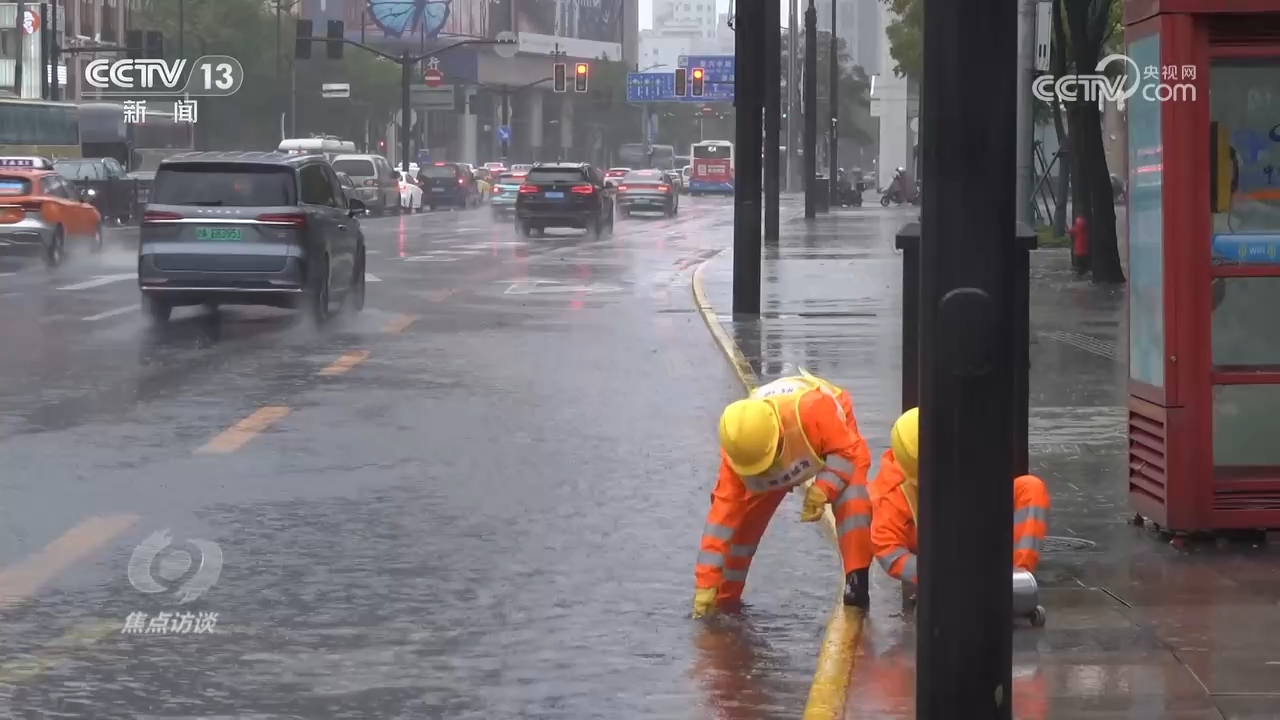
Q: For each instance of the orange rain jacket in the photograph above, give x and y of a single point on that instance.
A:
(893, 525)
(737, 518)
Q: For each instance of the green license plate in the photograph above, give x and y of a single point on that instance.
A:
(220, 234)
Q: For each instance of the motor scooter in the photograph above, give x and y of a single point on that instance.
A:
(850, 195)
(893, 194)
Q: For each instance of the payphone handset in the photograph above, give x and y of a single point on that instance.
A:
(1224, 169)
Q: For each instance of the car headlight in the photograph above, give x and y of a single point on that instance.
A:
(90, 192)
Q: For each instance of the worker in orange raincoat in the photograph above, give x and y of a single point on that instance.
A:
(894, 495)
(785, 433)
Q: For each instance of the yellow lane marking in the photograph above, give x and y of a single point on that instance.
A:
(51, 655)
(827, 693)
(21, 581)
(345, 363)
(399, 325)
(234, 437)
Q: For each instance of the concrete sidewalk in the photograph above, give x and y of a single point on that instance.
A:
(1137, 627)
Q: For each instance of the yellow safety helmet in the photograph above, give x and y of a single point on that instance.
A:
(749, 433)
(905, 441)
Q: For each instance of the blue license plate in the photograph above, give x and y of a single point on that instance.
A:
(555, 195)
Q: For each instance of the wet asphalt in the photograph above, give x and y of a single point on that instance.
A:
(479, 498)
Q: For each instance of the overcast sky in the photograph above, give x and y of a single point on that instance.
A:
(646, 11)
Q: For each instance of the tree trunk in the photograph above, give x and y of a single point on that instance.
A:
(1058, 68)
(1104, 249)
(1080, 199)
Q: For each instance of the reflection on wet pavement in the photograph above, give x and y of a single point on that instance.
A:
(1137, 628)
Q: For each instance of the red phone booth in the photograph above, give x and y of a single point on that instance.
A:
(1204, 267)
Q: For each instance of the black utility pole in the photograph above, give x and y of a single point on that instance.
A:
(810, 92)
(749, 38)
(22, 44)
(506, 123)
(772, 115)
(182, 9)
(833, 98)
(968, 259)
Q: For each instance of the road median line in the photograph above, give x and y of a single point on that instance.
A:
(20, 582)
(830, 685)
(236, 436)
(397, 325)
(345, 363)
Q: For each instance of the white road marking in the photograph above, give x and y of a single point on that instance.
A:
(370, 277)
(8, 274)
(100, 281)
(51, 318)
(429, 258)
(112, 313)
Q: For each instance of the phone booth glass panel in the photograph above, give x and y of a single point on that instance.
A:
(1146, 227)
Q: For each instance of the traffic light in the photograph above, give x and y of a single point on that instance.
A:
(682, 82)
(153, 45)
(559, 78)
(699, 79)
(133, 44)
(302, 41)
(335, 34)
(580, 77)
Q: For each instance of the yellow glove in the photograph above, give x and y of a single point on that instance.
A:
(704, 601)
(815, 501)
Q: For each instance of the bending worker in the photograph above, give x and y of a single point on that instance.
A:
(895, 492)
(785, 433)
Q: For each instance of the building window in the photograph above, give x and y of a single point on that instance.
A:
(110, 26)
(85, 18)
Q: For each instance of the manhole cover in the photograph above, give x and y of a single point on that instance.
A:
(1061, 544)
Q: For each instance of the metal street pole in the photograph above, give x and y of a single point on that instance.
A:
(55, 53)
(833, 99)
(793, 99)
(810, 109)
(182, 5)
(44, 50)
(406, 113)
(506, 121)
(772, 19)
(749, 38)
(969, 260)
(22, 43)
(280, 60)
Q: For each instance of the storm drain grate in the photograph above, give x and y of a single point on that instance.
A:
(1053, 544)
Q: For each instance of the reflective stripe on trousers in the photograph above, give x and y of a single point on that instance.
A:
(725, 556)
(1030, 520)
(852, 509)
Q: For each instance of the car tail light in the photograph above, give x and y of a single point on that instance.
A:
(371, 183)
(664, 188)
(528, 189)
(12, 215)
(462, 181)
(295, 219)
(152, 216)
(583, 189)
(622, 188)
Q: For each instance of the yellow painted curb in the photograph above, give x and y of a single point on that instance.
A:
(844, 629)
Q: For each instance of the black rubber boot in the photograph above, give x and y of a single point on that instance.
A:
(856, 589)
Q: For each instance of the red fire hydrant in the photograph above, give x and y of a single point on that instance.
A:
(1079, 233)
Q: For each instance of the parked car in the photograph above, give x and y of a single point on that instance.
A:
(374, 179)
(42, 210)
(250, 228)
(564, 195)
(648, 191)
(505, 190)
(521, 167)
(446, 184)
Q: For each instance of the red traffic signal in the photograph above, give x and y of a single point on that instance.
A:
(699, 82)
(580, 77)
(682, 82)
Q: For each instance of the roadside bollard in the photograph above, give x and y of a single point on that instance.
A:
(908, 241)
(1026, 598)
(821, 193)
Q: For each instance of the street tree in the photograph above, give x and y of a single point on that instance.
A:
(905, 32)
(854, 89)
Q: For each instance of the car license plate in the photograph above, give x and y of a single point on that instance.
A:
(555, 195)
(219, 234)
(437, 189)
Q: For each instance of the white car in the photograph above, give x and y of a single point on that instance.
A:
(614, 176)
(410, 196)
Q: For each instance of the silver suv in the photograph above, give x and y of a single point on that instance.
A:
(375, 181)
(250, 228)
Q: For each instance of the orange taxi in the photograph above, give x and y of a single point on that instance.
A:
(41, 209)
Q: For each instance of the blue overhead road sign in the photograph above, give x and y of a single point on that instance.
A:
(720, 75)
(504, 133)
(651, 87)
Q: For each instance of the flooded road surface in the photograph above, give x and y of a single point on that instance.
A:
(479, 498)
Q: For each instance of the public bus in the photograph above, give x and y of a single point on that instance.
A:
(34, 127)
(656, 157)
(160, 135)
(712, 167)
